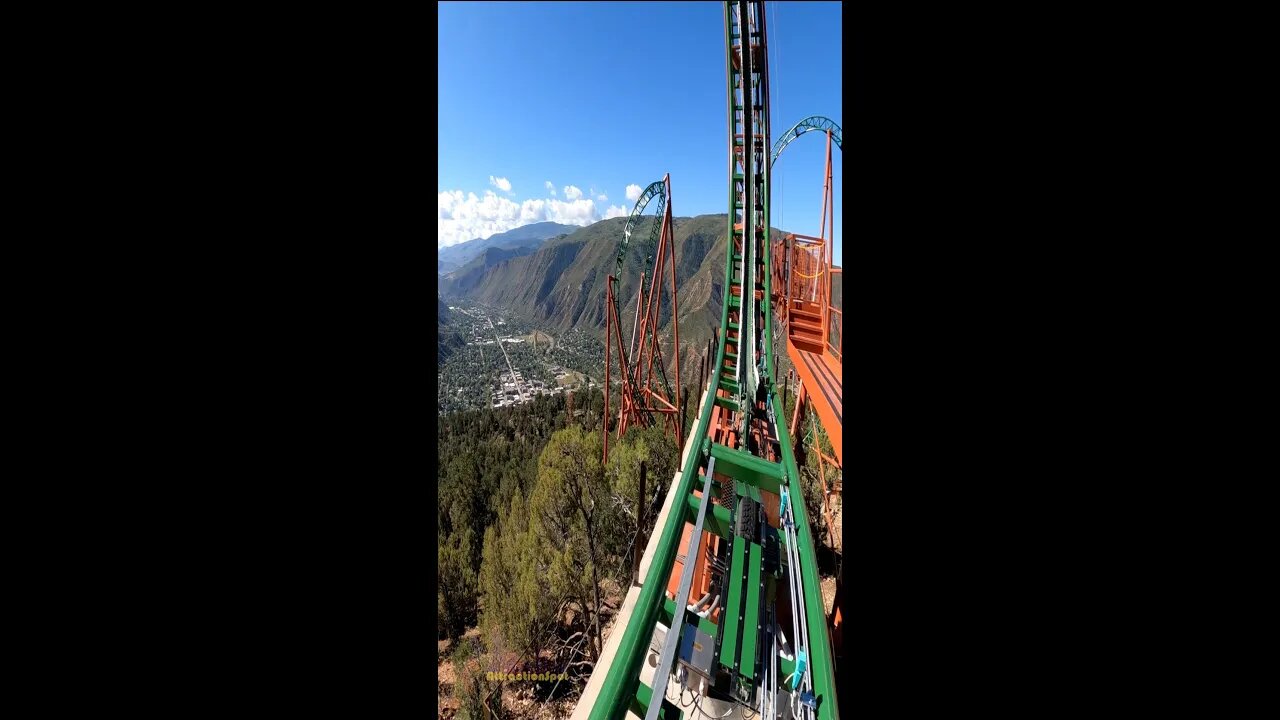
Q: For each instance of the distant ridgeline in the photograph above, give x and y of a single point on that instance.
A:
(528, 237)
(560, 284)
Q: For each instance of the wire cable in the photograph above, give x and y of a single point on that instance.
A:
(683, 704)
(705, 714)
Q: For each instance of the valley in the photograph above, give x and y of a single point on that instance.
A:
(506, 360)
(639, 439)
(546, 302)
(559, 287)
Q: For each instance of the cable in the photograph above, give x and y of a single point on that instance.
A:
(705, 714)
(805, 681)
(682, 692)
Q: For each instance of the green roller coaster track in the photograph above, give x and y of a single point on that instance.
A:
(752, 384)
(813, 122)
(655, 189)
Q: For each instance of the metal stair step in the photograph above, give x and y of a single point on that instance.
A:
(799, 324)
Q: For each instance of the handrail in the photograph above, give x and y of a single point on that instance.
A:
(838, 328)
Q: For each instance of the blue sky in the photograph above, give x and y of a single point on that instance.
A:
(593, 97)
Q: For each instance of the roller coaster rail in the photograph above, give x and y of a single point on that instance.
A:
(740, 458)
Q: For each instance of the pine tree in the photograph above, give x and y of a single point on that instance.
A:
(657, 450)
(569, 505)
(517, 611)
(456, 594)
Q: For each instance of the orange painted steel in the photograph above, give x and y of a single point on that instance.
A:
(707, 547)
(641, 396)
(813, 328)
(812, 325)
(821, 383)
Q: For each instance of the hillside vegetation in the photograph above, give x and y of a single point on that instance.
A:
(561, 285)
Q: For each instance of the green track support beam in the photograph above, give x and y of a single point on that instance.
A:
(640, 704)
(751, 620)
(747, 468)
(729, 618)
(718, 522)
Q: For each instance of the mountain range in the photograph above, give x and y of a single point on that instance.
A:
(527, 237)
(561, 283)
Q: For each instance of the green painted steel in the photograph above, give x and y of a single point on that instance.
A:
(731, 302)
(750, 491)
(747, 468)
(733, 600)
(619, 686)
(655, 189)
(767, 245)
(751, 619)
(820, 655)
(748, 379)
(640, 703)
(718, 522)
(786, 667)
(622, 687)
(669, 611)
(813, 122)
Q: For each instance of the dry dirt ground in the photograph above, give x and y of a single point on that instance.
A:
(518, 698)
(837, 522)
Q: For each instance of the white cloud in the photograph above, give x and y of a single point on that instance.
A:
(602, 197)
(532, 211)
(551, 188)
(572, 192)
(580, 212)
(633, 192)
(501, 183)
(615, 211)
(463, 216)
